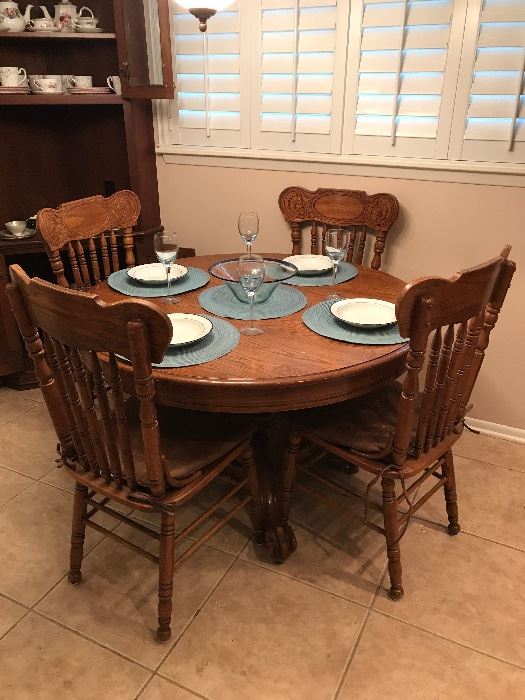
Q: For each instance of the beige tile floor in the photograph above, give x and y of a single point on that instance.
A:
(318, 627)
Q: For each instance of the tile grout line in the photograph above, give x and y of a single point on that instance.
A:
(353, 651)
(423, 520)
(143, 687)
(92, 641)
(304, 583)
(20, 415)
(492, 464)
(34, 481)
(448, 639)
(27, 612)
(183, 687)
(196, 614)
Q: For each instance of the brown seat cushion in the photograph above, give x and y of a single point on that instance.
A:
(364, 424)
(190, 440)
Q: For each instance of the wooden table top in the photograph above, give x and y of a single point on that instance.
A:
(288, 366)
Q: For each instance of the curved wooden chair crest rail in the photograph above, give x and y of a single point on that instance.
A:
(90, 224)
(357, 211)
(129, 450)
(400, 432)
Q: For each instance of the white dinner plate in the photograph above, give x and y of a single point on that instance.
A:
(365, 313)
(310, 264)
(155, 273)
(188, 328)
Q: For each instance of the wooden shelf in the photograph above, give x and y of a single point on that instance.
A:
(57, 35)
(49, 99)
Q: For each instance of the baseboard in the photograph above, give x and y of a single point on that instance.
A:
(505, 432)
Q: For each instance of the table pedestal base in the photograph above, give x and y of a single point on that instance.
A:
(275, 534)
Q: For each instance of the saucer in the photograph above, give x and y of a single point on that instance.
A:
(43, 31)
(8, 236)
(96, 30)
(90, 91)
(4, 90)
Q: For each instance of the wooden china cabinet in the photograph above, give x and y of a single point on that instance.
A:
(57, 148)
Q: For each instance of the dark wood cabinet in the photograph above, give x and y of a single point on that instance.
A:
(58, 148)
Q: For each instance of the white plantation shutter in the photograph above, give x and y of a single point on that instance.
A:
(298, 77)
(209, 80)
(494, 125)
(400, 69)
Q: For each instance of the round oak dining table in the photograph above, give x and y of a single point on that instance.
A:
(286, 368)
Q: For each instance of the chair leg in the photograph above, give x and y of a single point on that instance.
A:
(289, 472)
(166, 568)
(451, 498)
(392, 537)
(78, 533)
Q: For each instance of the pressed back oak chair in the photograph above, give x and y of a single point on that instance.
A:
(94, 236)
(356, 211)
(84, 233)
(399, 432)
(127, 450)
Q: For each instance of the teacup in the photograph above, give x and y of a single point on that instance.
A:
(10, 76)
(85, 23)
(41, 24)
(113, 82)
(80, 81)
(49, 84)
(17, 228)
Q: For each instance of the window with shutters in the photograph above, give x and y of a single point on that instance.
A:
(298, 78)
(398, 79)
(427, 80)
(212, 81)
(490, 109)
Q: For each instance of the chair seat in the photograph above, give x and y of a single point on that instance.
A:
(191, 440)
(365, 424)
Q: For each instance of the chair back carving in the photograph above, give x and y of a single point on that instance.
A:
(64, 330)
(83, 233)
(449, 322)
(356, 211)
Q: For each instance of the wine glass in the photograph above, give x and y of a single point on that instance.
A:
(166, 249)
(248, 228)
(251, 275)
(336, 246)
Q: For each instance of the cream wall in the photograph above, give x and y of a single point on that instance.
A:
(442, 228)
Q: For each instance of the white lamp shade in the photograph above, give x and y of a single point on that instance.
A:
(216, 5)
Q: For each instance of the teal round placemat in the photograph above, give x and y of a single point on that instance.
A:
(346, 272)
(283, 302)
(121, 282)
(319, 320)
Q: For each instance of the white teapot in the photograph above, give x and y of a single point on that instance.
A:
(65, 15)
(11, 20)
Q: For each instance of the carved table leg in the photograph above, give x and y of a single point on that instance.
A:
(277, 535)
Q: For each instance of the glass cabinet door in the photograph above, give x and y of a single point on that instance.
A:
(144, 48)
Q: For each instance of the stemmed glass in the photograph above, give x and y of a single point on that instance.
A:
(248, 228)
(336, 246)
(166, 250)
(251, 275)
